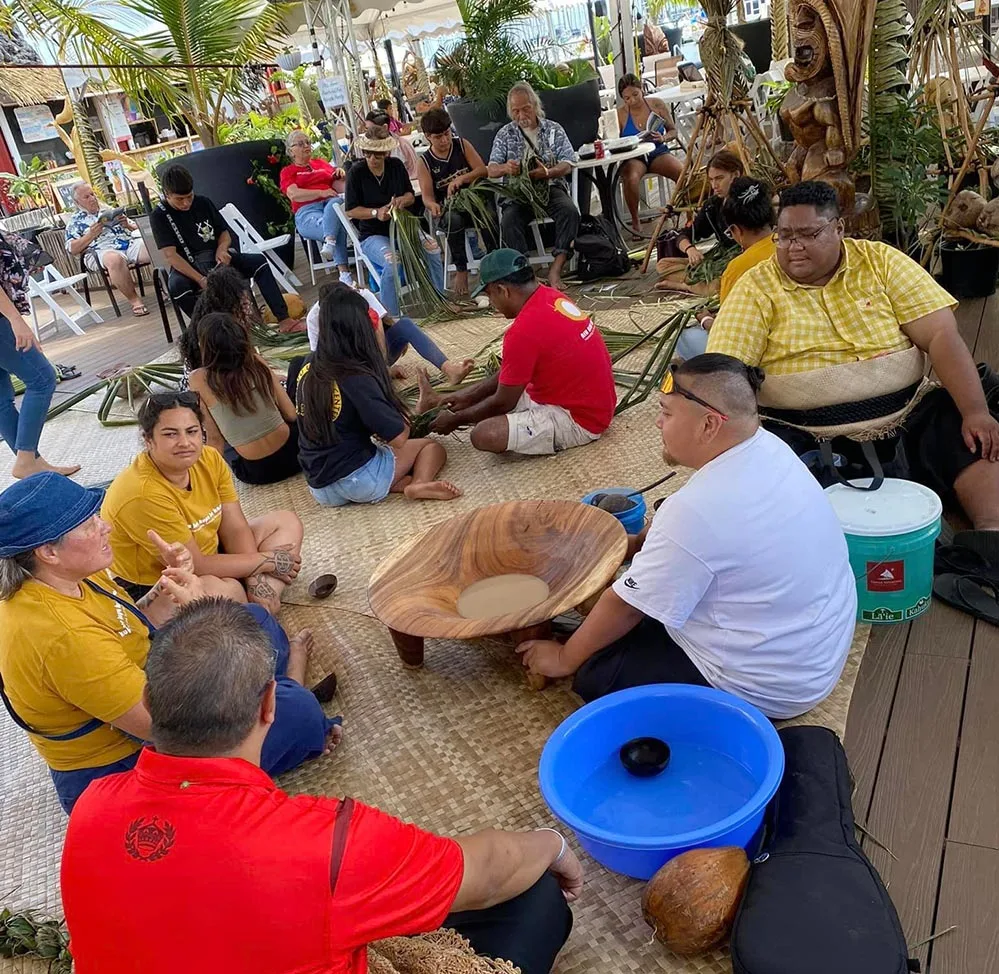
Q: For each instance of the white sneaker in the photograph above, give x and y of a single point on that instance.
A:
(347, 278)
(326, 250)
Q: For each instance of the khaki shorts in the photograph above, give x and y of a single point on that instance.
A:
(536, 428)
(132, 255)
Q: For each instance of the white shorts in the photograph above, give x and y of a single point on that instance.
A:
(537, 428)
(132, 255)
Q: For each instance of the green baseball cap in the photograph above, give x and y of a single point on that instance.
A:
(497, 265)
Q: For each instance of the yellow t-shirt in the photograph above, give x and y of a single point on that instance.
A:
(66, 660)
(771, 321)
(760, 251)
(140, 498)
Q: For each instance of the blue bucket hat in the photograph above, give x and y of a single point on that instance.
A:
(41, 509)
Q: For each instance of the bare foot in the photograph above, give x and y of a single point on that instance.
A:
(635, 225)
(334, 737)
(429, 398)
(435, 490)
(460, 287)
(456, 371)
(398, 372)
(299, 647)
(21, 470)
(259, 589)
(290, 325)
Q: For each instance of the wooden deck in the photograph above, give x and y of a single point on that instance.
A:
(923, 743)
(923, 731)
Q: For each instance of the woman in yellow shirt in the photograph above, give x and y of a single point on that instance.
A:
(749, 211)
(183, 490)
(73, 645)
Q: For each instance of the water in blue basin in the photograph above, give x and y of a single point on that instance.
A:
(700, 786)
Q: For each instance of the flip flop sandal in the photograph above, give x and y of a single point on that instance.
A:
(66, 372)
(140, 312)
(984, 543)
(323, 586)
(957, 559)
(325, 690)
(977, 596)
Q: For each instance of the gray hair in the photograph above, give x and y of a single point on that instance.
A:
(292, 135)
(524, 88)
(76, 190)
(14, 572)
(205, 674)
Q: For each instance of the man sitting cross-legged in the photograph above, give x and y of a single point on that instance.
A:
(556, 387)
(291, 883)
(741, 582)
(843, 329)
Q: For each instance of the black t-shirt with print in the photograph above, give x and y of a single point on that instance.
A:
(366, 189)
(360, 411)
(199, 227)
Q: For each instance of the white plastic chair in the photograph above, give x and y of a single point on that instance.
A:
(251, 242)
(541, 257)
(314, 258)
(449, 267)
(44, 288)
(364, 265)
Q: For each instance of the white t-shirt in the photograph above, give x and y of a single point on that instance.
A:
(312, 318)
(747, 568)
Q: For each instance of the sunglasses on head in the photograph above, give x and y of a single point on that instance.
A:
(166, 399)
(670, 387)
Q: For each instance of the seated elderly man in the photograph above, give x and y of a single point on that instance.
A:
(741, 582)
(73, 645)
(555, 390)
(106, 242)
(843, 329)
(293, 883)
(545, 147)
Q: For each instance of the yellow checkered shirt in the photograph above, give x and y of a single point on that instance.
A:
(770, 321)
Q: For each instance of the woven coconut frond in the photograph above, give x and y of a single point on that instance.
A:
(721, 54)
(30, 86)
(778, 30)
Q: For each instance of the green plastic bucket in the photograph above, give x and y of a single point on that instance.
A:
(890, 534)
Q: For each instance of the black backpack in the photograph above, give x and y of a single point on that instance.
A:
(600, 249)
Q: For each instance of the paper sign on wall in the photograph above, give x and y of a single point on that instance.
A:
(36, 123)
(333, 91)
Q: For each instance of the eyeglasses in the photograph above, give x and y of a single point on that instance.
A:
(670, 387)
(368, 154)
(784, 238)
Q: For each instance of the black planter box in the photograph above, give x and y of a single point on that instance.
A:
(969, 273)
(221, 174)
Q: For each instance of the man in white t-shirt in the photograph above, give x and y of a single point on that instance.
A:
(741, 582)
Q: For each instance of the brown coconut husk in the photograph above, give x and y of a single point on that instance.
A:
(441, 952)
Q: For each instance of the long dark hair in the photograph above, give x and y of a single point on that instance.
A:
(232, 368)
(225, 290)
(346, 346)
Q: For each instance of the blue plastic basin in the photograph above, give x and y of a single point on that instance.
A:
(726, 763)
(633, 519)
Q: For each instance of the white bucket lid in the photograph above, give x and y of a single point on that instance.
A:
(896, 507)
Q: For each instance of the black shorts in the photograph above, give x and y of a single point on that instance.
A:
(280, 465)
(134, 589)
(929, 449)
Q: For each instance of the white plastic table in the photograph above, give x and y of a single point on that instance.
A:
(603, 172)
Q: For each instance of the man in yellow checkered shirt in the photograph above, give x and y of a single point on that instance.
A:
(825, 301)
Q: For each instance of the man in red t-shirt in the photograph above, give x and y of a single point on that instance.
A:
(555, 389)
(195, 861)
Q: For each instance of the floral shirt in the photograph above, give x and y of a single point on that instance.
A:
(113, 237)
(15, 260)
(553, 145)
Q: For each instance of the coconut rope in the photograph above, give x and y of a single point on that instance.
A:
(441, 952)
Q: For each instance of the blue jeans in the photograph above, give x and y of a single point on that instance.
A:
(297, 734)
(23, 430)
(405, 332)
(692, 341)
(376, 249)
(317, 221)
(368, 484)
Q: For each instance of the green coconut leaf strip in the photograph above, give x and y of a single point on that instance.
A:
(75, 399)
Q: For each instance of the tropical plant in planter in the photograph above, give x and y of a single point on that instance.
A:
(25, 186)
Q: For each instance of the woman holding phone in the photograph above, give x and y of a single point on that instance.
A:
(633, 118)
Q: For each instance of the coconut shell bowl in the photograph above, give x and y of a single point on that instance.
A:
(574, 549)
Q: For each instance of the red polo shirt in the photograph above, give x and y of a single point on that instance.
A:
(555, 350)
(204, 865)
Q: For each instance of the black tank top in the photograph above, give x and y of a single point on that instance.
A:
(442, 171)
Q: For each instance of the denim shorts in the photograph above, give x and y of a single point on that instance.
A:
(366, 485)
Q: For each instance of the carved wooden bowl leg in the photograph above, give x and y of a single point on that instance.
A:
(409, 648)
(543, 630)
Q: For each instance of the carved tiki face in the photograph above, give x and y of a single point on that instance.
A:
(811, 46)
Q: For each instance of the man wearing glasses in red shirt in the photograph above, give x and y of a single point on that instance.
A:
(196, 861)
(741, 581)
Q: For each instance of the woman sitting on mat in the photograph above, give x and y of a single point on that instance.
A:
(344, 397)
(394, 336)
(709, 221)
(225, 290)
(633, 118)
(73, 645)
(183, 490)
(250, 419)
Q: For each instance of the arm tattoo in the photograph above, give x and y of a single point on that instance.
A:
(149, 598)
(257, 586)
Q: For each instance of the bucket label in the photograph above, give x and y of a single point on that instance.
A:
(884, 614)
(885, 576)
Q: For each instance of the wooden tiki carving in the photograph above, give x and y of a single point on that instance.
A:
(829, 41)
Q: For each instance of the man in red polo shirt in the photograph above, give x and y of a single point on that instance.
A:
(195, 861)
(556, 387)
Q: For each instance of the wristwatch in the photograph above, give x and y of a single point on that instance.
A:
(374, 213)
